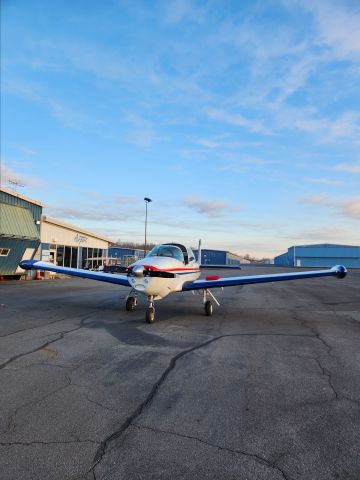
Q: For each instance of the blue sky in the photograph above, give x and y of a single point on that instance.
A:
(241, 120)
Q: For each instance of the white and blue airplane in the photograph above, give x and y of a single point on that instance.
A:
(172, 267)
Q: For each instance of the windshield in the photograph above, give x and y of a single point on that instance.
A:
(167, 251)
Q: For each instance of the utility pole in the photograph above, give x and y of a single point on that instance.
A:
(147, 200)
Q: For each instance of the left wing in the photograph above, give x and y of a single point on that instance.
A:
(77, 272)
(337, 271)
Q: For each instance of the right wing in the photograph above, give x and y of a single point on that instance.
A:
(337, 271)
(76, 272)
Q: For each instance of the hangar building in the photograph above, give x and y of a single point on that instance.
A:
(20, 219)
(26, 234)
(219, 257)
(125, 255)
(70, 246)
(322, 255)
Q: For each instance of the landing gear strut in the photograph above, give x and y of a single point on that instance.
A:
(150, 311)
(208, 306)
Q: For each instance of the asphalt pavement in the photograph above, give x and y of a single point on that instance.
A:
(266, 388)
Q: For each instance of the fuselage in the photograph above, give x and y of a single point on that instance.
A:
(164, 270)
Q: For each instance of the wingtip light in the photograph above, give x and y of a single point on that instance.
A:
(340, 270)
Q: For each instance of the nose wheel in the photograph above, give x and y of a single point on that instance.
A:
(150, 311)
(150, 315)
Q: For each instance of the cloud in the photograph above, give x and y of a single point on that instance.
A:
(237, 120)
(348, 167)
(345, 127)
(7, 174)
(325, 181)
(100, 213)
(216, 208)
(338, 26)
(178, 10)
(349, 207)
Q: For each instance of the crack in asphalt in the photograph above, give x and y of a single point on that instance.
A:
(257, 458)
(328, 376)
(44, 345)
(11, 423)
(138, 411)
(34, 350)
(32, 328)
(64, 442)
(155, 388)
(325, 372)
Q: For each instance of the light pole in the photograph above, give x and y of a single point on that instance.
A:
(147, 200)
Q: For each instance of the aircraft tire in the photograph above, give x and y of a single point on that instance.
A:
(130, 304)
(150, 315)
(208, 308)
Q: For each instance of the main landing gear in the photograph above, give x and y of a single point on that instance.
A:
(208, 306)
(131, 302)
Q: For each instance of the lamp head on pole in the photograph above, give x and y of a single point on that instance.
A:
(147, 199)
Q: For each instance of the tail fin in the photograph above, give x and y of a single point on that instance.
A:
(199, 253)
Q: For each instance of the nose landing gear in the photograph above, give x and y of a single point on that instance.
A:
(150, 311)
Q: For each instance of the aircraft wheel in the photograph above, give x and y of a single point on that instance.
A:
(130, 304)
(208, 308)
(150, 315)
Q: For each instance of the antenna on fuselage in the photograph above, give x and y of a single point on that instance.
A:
(199, 253)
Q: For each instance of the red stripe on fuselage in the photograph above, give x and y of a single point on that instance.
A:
(155, 269)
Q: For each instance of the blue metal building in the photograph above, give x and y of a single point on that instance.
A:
(322, 255)
(20, 219)
(217, 257)
(125, 255)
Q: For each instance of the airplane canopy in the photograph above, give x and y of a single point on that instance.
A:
(171, 251)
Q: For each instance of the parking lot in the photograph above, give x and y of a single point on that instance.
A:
(266, 388)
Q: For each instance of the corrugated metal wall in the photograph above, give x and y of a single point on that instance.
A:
(36, 210)
(18, 246)
(123, 253)
(212, 257)
(232, 259)
(324, 255)
(9, 264)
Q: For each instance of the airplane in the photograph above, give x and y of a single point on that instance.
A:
(172, 267)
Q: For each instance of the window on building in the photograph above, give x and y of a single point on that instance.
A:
(67, 257)
(4, 252)
(60, 256)
(74, 257)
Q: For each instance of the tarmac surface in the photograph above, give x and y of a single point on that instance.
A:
(266, 388)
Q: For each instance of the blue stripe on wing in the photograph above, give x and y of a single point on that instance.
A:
(337, 271)
(77, 272)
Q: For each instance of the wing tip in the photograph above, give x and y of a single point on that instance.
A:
(340, 270)
(27, 264)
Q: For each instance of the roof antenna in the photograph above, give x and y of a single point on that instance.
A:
(15, 184)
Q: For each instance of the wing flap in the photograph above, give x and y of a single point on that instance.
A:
(337, 271)
(76, 272)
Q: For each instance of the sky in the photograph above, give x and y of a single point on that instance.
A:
(239, 119)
